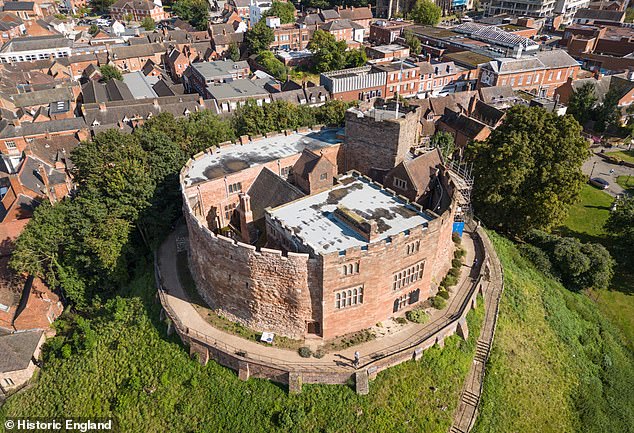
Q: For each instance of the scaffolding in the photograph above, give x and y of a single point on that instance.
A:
(461, 174)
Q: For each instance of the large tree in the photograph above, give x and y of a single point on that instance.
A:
(259, 38)
(608, 113)
(330, 54)
(528, 173)
(109, 72)
(621, 225)
(412, 42)
(582, 103)
(426, 12)
(285, 11)
(272, 65)
(193, 11)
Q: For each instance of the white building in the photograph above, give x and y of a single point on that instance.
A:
(257, 9)
(520, 8)
(31, 48)
(568, 8)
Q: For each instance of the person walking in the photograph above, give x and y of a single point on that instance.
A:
(356, 359)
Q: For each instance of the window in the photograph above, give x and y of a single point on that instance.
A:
(400, 183)
(519, 80)
(323, 176)
(408, 276)
(559, 75)
(348, 297)
(351, 268)
(528, 79)
(229, 210)
(10, 144)
(406, 299)
(30, 140)
(414, 247)
(235, 188)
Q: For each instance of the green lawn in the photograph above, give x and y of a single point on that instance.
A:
(625, 155)
(585, 221)
(557, 364)
(626, 182)
(149, 384)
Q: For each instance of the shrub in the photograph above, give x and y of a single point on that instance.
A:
(443, 294)
(305, 352)
(401, 320)
(456, 238)
(459, 253)
(454, 272)
(417, 316)
(538, 257)
(449, 281)
(438, 303)
(456, 263)
(319, 353)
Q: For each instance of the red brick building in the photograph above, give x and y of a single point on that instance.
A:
(137, 9)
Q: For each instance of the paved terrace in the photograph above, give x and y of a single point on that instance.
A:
(250, 357)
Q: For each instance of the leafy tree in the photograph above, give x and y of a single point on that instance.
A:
(285, 11)
(234, 52)
(528, 173)
(412, 42)
(621, 225)
(193, 11)
(102, 5)
(109, 72)
(93, 29)
(426, 12)
(328, 53)
(251, 119)
(608, 113)
(332, 113)
(445, 142)
(204, 129)
(272, 65)
(582, 103)
(148, 24)
(355, 58)
(259, 38)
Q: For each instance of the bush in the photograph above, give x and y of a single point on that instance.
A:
(319, 353)
(456, 238)
(456, 263)
(272, 65)
(417, 316)
(305, 352)
(538, 257)
(449, 281)
(438, 303)
(443, 294)
(401, 320)
(454, 272)
(459, 253)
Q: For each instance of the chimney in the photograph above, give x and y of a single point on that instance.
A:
(472, 104)
(155, 102)
(244, 139)
(201, 101)
(246, 216)
(428, 58)
(102, 106)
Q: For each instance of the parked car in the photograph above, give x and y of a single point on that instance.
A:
(599, 183)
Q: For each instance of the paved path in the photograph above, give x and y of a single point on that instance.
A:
(179, 304)
(465, 415)
(602, 169)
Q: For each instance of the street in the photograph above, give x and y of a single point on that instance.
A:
(602, 169)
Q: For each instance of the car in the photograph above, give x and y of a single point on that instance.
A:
(599, 183)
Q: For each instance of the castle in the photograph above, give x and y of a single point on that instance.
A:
(294, 232)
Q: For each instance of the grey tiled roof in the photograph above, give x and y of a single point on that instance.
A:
(28, 43)
(8, 130)
(17, 350)
(42, 97)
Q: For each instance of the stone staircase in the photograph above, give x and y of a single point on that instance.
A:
(482, 351)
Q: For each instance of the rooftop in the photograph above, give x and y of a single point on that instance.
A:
(29, 43)
(220, 68)
(17, 350)
(316, 221)
(227, 160)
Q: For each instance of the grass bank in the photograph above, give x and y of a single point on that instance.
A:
(147, 381)
(625, 155)
(557, 364)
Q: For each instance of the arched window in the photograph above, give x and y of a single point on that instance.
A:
(343, 299)
(345, 270)
(338, 300)
(356, 267)
(354, 297)
(349, 297)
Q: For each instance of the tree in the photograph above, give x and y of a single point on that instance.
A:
(233, 52)
(204, 129)
(272, 65)
(426, 12)
(328, 53)
(355, 58)
(582, 103)
(193, 11)
(620, 224)
(412, 42)
(148, 24)
(608, 113)
(332, 113)
(102, 5)
(259, 38)
(285, 11)
(445, 142)
(109, 72)
(93, 29)
(528, 172)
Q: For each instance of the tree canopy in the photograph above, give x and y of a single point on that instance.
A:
(109, 72)
(233, 52)
(193, 11)
(259, 38)
(528, 172)
(621, 225)
(426, 12)
(272, 65)
(412, 42)
(582, 102)
(285, 11)
(148, 24)
(331, 55)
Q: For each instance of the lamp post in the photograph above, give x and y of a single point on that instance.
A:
(592, 171)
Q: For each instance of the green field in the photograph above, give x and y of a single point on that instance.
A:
(627, 183)
(149, 384)
(625, 155)
(557, 365)
(585, 221)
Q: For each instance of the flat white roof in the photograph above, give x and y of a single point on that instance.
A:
(231, 159)
(312, 218)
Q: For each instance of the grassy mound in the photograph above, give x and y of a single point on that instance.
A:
(147, 381)
(557, 364)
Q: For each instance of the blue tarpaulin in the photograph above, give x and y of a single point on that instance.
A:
(458, 227)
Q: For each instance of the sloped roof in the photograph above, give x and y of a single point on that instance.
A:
(41, 97)
(359, 13)
(422, 168)
(600, 15)
(556, 59)
(486, 113)
(130, 51)
(18, 6)
(270, 190)
(145, 5)
(17, 350)
(490, 94)
(467, 125)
